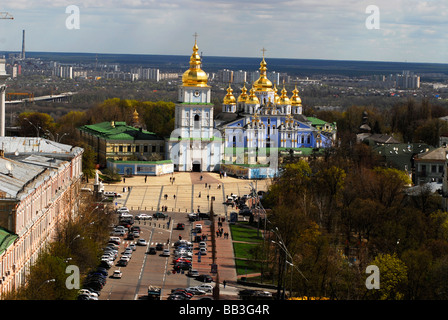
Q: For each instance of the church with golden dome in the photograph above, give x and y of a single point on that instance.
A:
(249, 130)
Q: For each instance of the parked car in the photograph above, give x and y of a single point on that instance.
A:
(180, 226)
(205, 287)
(159, 215)
(122, 262)
(111, 194)
(195, 290)
(123, 210)
(143, 216)
(203, 251)
(204, 278)
(130, 236)
(117, 274)
(141, 242)
(193, 273)
(183, 265)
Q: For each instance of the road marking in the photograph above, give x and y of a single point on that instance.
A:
(143, 267)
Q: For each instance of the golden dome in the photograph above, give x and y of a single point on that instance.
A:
(229, 97)
(295, 99)
(276, 96)
(252, 98)
(263, 83)
(243, 95)
(284, 98)
(195, 76)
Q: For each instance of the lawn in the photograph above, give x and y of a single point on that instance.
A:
(242, 232)
(245, 249)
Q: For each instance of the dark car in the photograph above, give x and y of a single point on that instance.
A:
(183, 265)
(151, 250)
(159, 215)
(130, 236)
(180, 226)
(135, 228)
(122, 263)
(204, 278)
(159, 246)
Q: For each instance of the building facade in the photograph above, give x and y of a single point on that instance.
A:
(118, 141)
(39, 186)
(249, 130)
(194, 145)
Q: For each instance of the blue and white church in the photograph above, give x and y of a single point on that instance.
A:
(251, 130)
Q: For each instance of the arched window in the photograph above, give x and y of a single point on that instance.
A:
(196, 121)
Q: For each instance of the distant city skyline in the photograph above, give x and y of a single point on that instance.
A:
(409, 30)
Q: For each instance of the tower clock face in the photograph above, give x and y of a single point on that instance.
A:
(196, 93)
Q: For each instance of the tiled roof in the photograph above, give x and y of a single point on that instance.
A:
(118, 131)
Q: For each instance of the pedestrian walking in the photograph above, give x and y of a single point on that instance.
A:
(224, 283)
(199, 194)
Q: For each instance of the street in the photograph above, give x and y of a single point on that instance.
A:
(182, 198)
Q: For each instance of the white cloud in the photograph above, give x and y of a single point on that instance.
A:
(324, 29)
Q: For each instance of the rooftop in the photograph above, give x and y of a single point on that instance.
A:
(27, 162)
(118, 130)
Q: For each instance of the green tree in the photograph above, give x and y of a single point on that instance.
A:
(393, 278)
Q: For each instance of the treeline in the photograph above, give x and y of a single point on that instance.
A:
(407, 121)
(339, 214)
(156, 117)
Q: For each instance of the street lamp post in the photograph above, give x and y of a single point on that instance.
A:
(35, 127)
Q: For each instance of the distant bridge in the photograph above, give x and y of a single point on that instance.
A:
(66, 96)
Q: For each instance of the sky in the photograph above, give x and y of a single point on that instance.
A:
(404, 30)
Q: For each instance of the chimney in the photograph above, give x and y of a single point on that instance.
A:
(23, 44)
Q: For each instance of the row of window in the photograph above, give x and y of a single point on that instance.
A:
(136, 148)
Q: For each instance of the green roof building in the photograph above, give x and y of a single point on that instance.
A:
(122, 142)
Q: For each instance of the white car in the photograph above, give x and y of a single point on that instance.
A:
(202, 244)
(118, 232)
(166, 252)
(141, 242)
(88, 293)
(143, 216)
(128, 250)
(123, 210)
(111, 194)
(203, 251)
(117, 274)
(125, 257)
(205, 287)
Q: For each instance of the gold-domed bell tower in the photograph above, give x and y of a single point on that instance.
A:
(194, 87)
(192, 146)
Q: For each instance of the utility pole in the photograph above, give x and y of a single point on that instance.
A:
(3, 77)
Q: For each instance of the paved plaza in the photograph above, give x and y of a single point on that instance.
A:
(185, 192)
